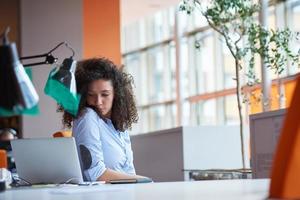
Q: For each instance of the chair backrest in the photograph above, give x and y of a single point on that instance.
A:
(62, 134)
(3, 159)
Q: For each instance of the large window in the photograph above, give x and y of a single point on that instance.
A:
(206, 94)
(293, 23)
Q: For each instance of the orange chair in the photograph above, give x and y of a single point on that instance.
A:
(285, 176)
(62, 134)
(3, 159)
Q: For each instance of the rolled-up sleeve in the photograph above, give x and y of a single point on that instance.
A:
(86, 131)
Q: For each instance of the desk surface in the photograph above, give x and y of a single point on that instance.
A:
(226, 189)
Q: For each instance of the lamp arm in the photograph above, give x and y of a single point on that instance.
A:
(31, 57)
(50, 59)
(67, 45)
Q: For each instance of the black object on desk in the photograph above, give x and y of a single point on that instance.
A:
(5, 145)
(2, 186)
(133, 180)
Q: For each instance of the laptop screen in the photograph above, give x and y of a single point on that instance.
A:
(47, 160)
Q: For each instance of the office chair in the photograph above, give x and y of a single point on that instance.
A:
(3, 159)
(62, 134)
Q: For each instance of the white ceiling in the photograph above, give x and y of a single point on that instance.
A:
(131, 10)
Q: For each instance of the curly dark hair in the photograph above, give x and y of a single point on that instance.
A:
(124, 111)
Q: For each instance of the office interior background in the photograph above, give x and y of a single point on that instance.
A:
(175, 83)
(207, 88)
(198, 88)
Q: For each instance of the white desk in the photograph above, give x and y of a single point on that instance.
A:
(228, 189)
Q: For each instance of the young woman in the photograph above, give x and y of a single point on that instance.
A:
(107, 109)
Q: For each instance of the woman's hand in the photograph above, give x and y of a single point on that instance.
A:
(114, 175)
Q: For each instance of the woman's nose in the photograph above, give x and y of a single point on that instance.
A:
(99, 100)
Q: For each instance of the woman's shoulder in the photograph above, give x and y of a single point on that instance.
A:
(88, 114)
(88, 120)
(89, 111)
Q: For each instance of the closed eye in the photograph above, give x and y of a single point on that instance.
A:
(105, 95)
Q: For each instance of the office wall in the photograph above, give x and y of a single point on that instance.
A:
(9, 15)
(91, 27)
(43, 25)
(101, 32)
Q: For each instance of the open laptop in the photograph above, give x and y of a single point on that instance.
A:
(47, 160)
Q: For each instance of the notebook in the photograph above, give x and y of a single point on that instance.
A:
(47, 160)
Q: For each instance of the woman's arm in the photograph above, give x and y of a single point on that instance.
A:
(113, 175)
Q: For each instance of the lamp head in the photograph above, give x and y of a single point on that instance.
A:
(66, 74)
(61, 85)
(16, 90)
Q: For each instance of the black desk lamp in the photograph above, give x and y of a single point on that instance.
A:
(16, 90)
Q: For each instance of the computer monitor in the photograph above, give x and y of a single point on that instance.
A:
(47, 160)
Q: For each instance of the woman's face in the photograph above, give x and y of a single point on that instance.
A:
(101, 95)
